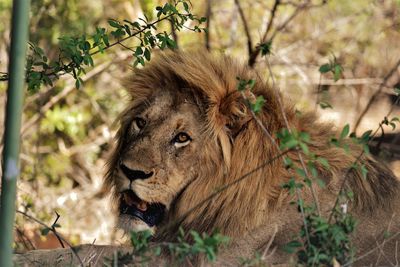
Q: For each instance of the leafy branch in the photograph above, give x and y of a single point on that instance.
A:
(76, 53)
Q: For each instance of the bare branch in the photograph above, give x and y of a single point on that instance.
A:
(53, 227)
(376, 94)
(271, 20)
(246, 27)
(208, 17)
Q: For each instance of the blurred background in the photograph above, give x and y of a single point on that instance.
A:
(67, 132)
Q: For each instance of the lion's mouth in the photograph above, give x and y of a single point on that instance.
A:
(151, 213)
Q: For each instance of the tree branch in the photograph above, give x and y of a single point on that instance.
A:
(253, 56)
(208, 17)
(246, 27)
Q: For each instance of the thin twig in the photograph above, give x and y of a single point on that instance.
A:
(208, 17)
(271, 20)
(246, 27)
(55, 233)
(303, 215)
(264, 254)
(126, 47)
(318, 92)
(53, 227)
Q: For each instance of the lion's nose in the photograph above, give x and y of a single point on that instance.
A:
(134, 174)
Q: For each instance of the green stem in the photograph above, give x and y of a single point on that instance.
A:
(19, 36)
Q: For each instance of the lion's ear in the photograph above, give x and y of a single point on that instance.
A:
(236, 114)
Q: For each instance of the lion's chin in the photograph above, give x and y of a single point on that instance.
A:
(129, 224)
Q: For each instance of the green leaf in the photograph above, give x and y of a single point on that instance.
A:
(138, 51)
(78, 83)
(45, 231)
(287, 162)
(292, 246)
(364, 171)
(186, 6)
(325, 68)
(397, 90)
(291, 143)
(304, 147)
(337, 72)
(86, 46)
(265, 48)
(259, 103)
(251, 83)
(114, 23)
(324, 162)
(320, 183)
(241, 84)
(325, 105)
(304, 136)
(301, 172)
(345, 132)
(170, 43)
(366, 136)
(147, 54)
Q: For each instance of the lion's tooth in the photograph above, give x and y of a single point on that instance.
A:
(142, 206)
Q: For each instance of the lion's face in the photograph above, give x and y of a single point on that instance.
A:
(158, 158)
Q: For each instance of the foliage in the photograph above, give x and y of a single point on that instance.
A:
(76, 53)
(202, 244)
(329, 242)
(320, 241)
(181, 250)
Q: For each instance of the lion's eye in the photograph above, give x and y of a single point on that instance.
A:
(181, 139)
(139, 123)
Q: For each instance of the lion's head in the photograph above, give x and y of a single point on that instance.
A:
(182, 137)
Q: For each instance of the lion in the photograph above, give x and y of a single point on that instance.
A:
(188, 132)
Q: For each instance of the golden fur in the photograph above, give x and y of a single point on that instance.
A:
(230, 144)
